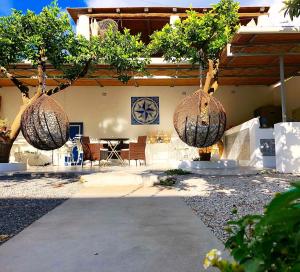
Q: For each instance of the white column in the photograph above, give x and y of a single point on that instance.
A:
(173, 19)
(83, 26)
(287, 143)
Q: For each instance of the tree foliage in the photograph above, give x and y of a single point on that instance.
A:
(49, 36)
(198, 38)
(124, 52)
(292, 8)
(45, 36)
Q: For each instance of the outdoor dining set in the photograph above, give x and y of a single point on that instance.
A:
(106, 150)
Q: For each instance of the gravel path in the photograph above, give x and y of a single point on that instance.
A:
(214, 198)
(24, 199)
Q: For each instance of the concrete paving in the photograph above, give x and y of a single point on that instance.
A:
(113, 229)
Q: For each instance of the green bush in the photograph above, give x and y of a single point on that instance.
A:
(168, 181)
(177, 172)
(268, 242)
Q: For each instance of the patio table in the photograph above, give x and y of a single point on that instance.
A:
(114, 145)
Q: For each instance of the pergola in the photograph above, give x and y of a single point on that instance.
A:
(252, 58)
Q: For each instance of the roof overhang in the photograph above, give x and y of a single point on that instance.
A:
(253, 55)
(245, 13)
(146, 20)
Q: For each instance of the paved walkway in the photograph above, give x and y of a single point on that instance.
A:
(112, 229)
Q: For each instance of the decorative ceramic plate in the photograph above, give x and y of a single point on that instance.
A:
(145, 110)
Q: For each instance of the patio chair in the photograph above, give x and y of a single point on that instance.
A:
(136, 151)
(92, 151)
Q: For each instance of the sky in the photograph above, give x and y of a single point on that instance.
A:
(36, 5)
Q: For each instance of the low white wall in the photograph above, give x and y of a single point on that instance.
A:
(247, 142)
(287, 139)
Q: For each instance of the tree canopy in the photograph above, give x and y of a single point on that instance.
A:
(125, 52)
(292, 8)
(48, 38)
(198, 38)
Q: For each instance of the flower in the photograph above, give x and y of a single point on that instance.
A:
(212, 258)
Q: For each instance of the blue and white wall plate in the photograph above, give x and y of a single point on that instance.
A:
(145, 110)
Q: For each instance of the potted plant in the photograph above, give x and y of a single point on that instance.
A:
(205, 153)
(5, 144)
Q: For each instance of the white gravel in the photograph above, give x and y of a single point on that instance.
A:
(25, 198)
(214, 198)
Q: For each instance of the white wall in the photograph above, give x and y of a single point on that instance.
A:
(110, 115)
(292, 97)
(287, 139)
(250, 141)
(241, 101)
(83, 26)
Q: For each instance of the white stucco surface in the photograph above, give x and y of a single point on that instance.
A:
(83, 26)
(287, 139)
(292, 98)
(252, 141)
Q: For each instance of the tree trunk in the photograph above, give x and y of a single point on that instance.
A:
(5, 147)
(7, 142)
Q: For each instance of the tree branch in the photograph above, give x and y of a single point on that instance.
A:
(24, 89)
(67, 84)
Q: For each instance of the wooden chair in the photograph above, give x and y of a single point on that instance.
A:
(92, 151)
(136, 151)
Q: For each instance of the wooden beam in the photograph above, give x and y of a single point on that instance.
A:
(155, 15)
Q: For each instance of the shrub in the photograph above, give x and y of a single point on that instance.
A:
(177, 172)
(268, 242)
(168, 181)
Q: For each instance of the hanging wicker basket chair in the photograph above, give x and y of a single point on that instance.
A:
(44, 124)
(200, 120)
(105, 25)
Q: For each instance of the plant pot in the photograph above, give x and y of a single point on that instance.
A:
(205, 156)
(205, 153)
(5, 148)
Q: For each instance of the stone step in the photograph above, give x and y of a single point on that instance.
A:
(12, 167)
(118, 179)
